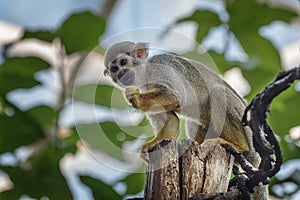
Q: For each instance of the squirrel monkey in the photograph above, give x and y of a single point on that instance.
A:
(165, 86)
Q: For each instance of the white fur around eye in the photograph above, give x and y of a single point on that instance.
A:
(128, 61)
(123, 62)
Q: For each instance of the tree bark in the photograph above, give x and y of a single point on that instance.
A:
(182, 171)
(106, 8)
(162, 176)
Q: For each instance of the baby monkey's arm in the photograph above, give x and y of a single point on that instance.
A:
(154, 100)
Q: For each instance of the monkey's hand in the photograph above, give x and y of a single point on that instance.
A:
(132, 94)
(149, 100)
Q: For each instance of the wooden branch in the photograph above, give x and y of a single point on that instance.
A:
(264, 140)
(180, 172)
(162, 176)
(107, 7)
(205, 169)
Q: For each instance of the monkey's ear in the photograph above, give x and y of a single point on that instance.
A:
(141, 50)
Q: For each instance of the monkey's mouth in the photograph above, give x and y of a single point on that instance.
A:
(126, 76)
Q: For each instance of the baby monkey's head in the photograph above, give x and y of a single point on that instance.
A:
(121, 59)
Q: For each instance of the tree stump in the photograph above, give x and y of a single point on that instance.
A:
(181, 171)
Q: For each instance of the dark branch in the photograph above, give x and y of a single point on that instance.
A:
(264, 139)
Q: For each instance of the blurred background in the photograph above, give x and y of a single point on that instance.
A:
(67, 133)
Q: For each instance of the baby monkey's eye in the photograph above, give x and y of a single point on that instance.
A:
(123, 62)
(114, 69)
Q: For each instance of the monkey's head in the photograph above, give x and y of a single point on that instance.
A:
(122, 58)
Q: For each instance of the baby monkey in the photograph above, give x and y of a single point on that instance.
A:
(166, 85)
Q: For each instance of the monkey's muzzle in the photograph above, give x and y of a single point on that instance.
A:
(126, 76)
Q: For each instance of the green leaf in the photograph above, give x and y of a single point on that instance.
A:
(258, 79)
(260, 14)
(144, 122)
(102, 95)
(135, 183)
(222, 64)
(41, 177)
(68, 144)
(97, 139)
(18, 73)
(108, 137)
(18, 130)
(183, 133)
(41, 35)
(43, 115)
(212, 60)
(285, 106)
(100, 190)
(260, 50)
(81, 32)
(205, 20)
(10, 194)
(263, 63)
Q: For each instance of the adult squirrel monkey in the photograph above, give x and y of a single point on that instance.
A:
(165, 86)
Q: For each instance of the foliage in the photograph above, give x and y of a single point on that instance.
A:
(40, 175)
(38, 128)
(100, 189)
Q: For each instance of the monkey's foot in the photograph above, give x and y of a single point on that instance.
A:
(144, 152)
(146, 147)
(132, 94)
(213, 141)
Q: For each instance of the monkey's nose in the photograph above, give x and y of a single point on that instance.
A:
(122, 73)
(126, 76)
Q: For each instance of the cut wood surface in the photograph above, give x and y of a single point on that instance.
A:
(182, 171)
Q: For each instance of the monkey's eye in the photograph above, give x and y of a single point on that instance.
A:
(123, 62)
(114, 69)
